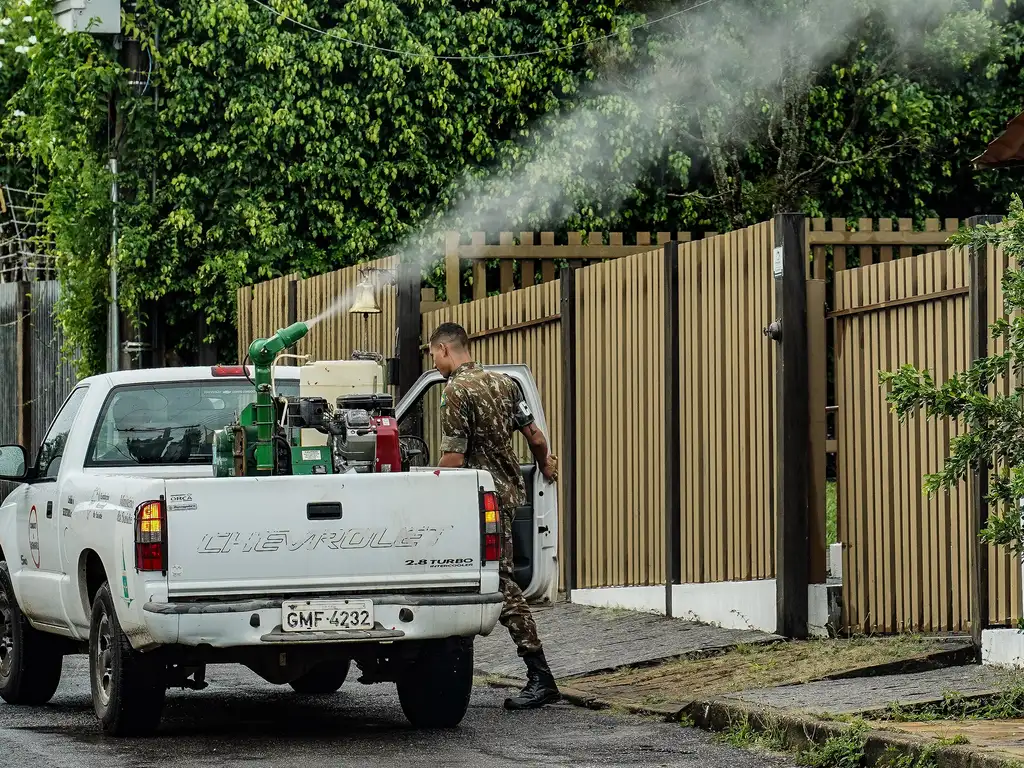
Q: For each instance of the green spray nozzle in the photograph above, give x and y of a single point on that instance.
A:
(263, 351)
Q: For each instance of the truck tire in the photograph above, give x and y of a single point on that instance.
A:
(128, 688)
(434, 691)
(30, 660)
(326, 677)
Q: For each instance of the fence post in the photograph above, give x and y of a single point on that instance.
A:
(567, 285)
(293, 301)
(25, 368)
(452, 270)
(409, 325)
(673, 544)
(817, 382)
(792, 425)
(978, 551)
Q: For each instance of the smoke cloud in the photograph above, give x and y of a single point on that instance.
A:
(711, 61)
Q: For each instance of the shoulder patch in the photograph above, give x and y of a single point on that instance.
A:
(444, 397)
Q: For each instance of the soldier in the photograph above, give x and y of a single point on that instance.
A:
(480, 410)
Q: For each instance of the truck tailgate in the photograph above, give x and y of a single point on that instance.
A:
(337, 533)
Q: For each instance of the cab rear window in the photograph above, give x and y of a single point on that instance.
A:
(168, 423)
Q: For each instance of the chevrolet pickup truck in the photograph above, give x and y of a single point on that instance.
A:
(119, 542)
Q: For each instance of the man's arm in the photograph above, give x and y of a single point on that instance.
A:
(547, 462)
(451, 460)
(523, 419)
(537, 442)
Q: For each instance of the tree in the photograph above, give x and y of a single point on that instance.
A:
(987, 398)
(275, 149)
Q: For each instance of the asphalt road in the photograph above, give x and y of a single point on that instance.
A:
(242, 721)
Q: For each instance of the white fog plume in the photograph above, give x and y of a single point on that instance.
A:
(731, 46)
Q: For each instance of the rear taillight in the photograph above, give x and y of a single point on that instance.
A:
(150, 536)
(228, 370)
(491, 526)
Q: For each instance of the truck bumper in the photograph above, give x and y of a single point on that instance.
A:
(397, 618)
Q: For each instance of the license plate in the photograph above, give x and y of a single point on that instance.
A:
(326, 615)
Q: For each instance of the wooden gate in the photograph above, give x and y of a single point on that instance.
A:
(905, 556)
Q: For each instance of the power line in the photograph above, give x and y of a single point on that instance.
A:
(486, 57)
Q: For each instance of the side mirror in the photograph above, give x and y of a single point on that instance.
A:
(13, 463)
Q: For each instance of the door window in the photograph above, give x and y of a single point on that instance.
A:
(52, 450)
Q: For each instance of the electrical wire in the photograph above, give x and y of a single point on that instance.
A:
(485, 57)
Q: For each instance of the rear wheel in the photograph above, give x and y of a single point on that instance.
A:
(435, 689)
(128, 688)
(326, 677)
(30, 660)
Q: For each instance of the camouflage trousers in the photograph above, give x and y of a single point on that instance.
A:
(515, 613)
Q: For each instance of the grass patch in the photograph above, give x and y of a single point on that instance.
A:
(894, 758)
(1008, 704)
(744, 735)
(845, 750)
(831, 513)
(752, 666)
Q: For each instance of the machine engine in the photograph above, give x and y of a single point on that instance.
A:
(361, 429)
(362, 436)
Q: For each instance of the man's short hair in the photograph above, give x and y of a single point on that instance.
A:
(452, 334)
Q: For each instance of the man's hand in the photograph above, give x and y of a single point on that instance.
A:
(550, 468)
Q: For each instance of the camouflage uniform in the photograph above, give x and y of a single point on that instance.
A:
(480, 411)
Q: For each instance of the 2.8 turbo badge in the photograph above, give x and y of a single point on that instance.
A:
(446, 563)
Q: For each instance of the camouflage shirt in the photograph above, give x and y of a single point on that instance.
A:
(480, 411)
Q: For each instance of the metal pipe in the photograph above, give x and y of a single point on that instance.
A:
(113, 328)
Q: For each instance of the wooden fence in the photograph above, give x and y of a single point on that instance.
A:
(906, 556)
(266, 307)
(620, 417)
(522, 261)
(895, 296)
(836, 245)
(727, 397)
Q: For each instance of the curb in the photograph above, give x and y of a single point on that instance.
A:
(802, 731)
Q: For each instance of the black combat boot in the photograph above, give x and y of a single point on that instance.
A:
(540, 684)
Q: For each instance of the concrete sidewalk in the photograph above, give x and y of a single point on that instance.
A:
(867, 695)
(812, 692)
(579, 640)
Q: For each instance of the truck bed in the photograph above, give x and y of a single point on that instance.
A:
(352, 533)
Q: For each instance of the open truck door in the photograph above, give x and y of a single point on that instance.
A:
(535, 526)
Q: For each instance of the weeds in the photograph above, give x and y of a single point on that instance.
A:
(1007, 704)
(843, 751)
(893, 758)
(744, 734)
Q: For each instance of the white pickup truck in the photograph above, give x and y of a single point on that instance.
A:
(156, 569)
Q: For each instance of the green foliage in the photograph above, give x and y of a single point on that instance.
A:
(254, 148)
(987, 398)
(770, 735)
(843, 751)
(1008, 704)
(56, 121)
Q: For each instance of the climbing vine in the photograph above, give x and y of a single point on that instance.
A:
(248, 147)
